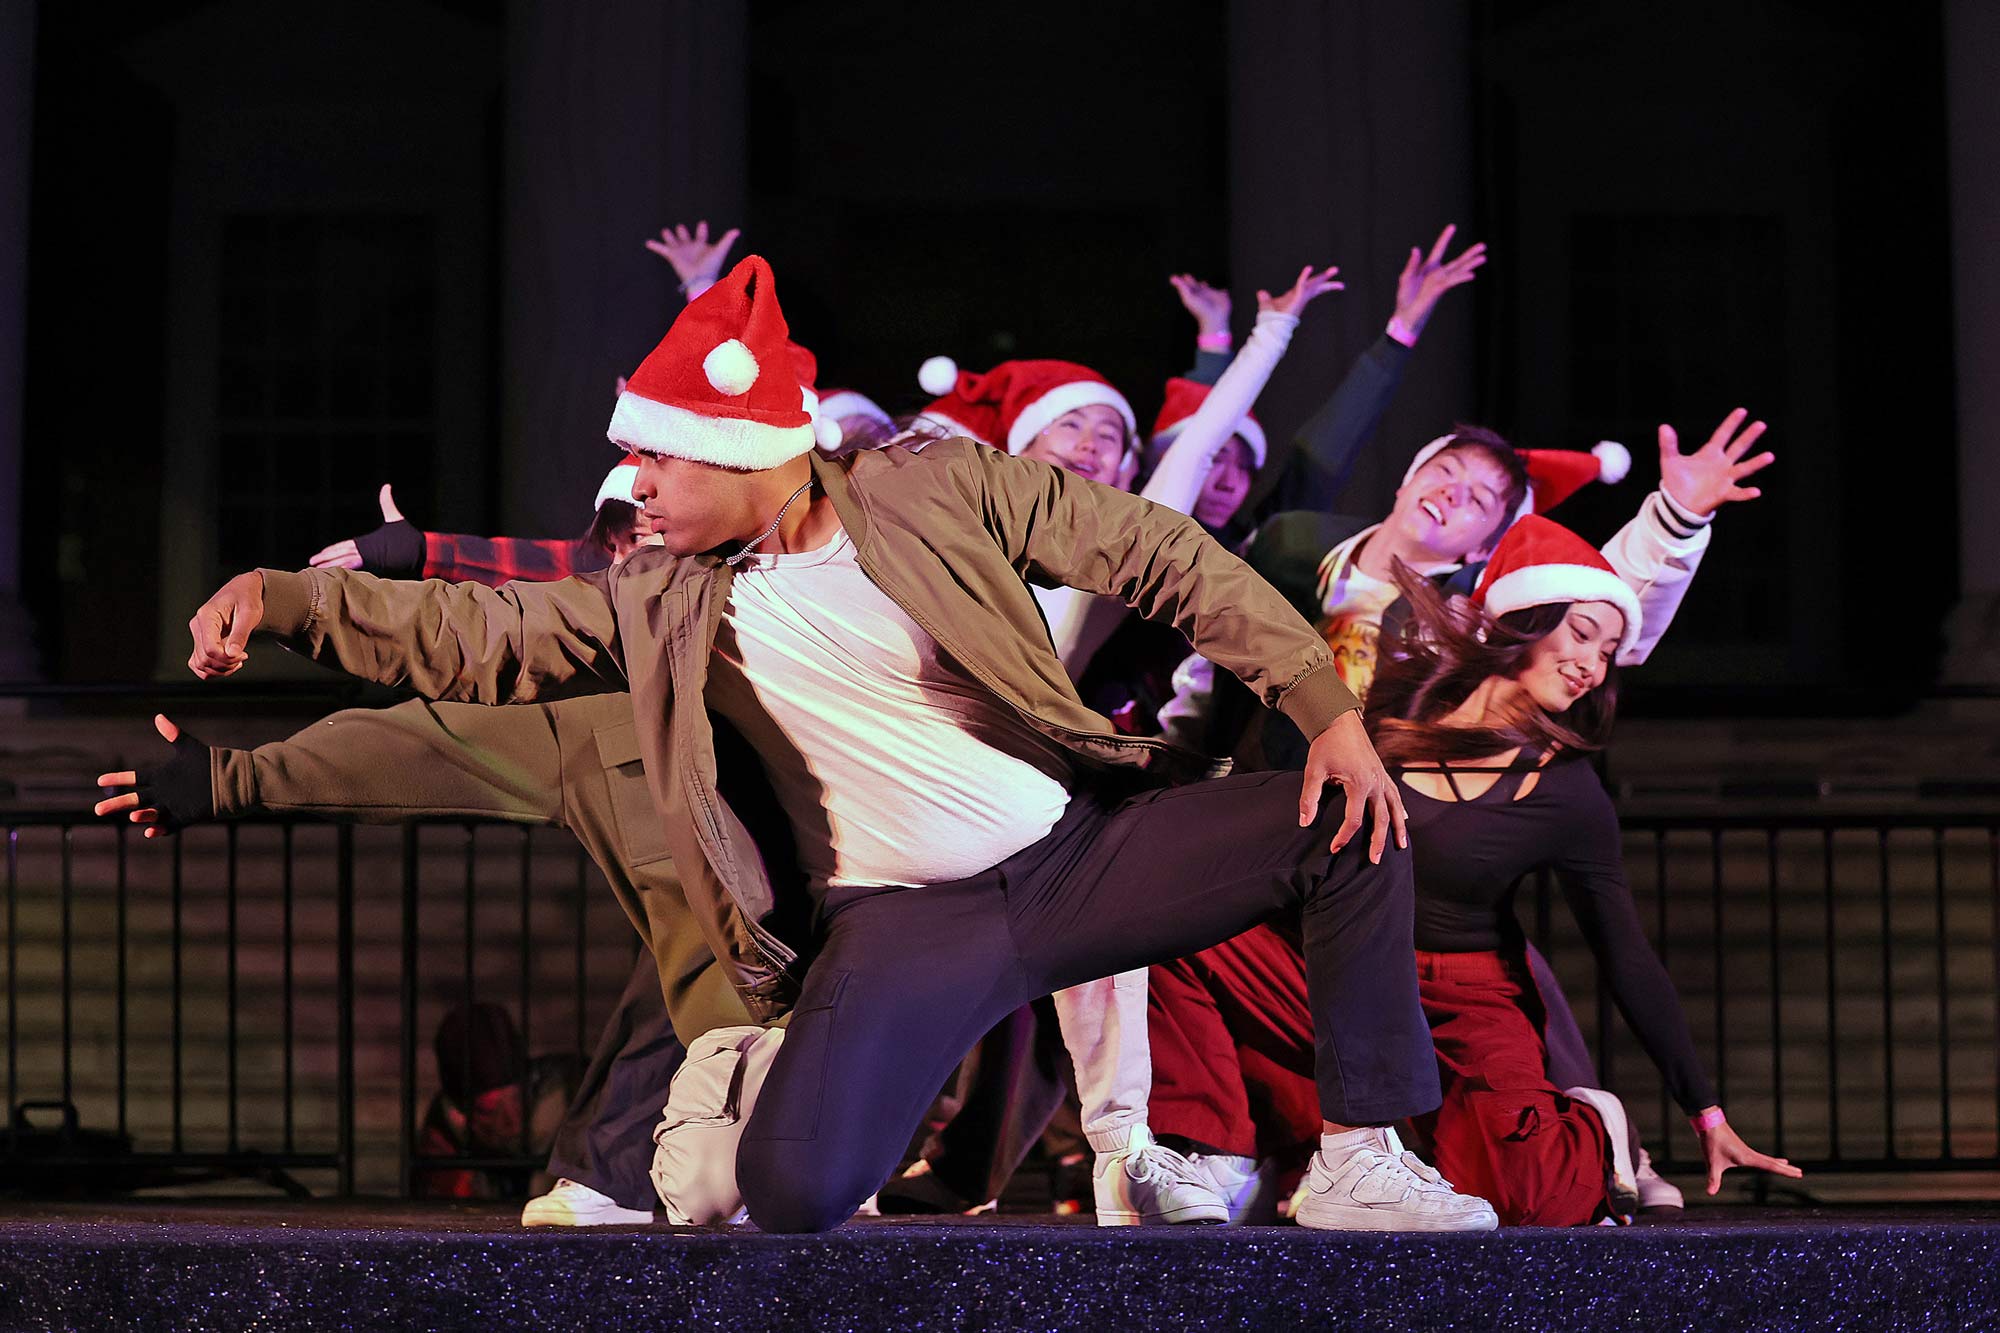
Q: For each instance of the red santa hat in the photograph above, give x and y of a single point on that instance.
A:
(1012, 403)
(722, 386)
(805, 366)
(1553, 474)
(618, 482)
(1184, 396)
(1540, 563)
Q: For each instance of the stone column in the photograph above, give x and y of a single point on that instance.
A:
(1972, 115)
(1350, 140)
(619, 118)
(18, 659)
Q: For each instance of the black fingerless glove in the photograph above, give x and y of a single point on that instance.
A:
(394, 550)
(180, 789)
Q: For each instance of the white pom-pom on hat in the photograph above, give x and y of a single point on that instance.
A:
(938, 375)
(1614, 461)
(731, 368)
(827, 434)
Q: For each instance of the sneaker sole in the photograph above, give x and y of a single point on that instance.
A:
(631, 1218)
(1193, 1214)
(1334, 1217)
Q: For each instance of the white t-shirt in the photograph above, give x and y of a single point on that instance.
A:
(894, 765)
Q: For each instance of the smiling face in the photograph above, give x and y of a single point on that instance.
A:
(1088, 440)
(1454, 506)
(1574, 658)
(1228, 482)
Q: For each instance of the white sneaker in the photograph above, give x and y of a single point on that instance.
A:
(1235, 1180)
(1380, 1187)
(1144, 1184)
(1429, 1178)
(1655, 1194)
(1624, 1195)
(572, 1205)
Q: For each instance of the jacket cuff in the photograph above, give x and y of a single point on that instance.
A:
(1390, 354)
(232, 778)
(1316, 699)
(289, 601)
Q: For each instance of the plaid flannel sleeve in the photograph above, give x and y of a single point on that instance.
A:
(461, 558)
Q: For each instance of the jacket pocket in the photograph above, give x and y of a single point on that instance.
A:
(632, 810)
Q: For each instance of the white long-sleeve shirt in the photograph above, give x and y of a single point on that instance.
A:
(1080, 623)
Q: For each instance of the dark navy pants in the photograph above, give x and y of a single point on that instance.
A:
(907, 980)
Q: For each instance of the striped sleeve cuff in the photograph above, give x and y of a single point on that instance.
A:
(1677, 521)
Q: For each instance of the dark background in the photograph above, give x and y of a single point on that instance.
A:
(279, 255)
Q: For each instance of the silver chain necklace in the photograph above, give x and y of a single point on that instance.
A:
(765, 536)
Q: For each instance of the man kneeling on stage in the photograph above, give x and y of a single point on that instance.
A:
(878, 782)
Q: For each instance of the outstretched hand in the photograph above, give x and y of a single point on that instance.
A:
(1710, 477)
(347, 554)
(1426, 278)
(223, 625)
(1343, 754)
(1209, 305)
(697, 261)
(165, 796)
(1309, 285)
(1724, 1148)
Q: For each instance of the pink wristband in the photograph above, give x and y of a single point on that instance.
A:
(1219, 341)
(1712, 1118)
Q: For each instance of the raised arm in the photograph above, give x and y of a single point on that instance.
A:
(1658, 552)
(696, 260)
(1177, 480)
(1210, 308)
(459, 641)
(1324, 450)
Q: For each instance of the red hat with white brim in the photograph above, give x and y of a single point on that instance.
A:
(1015, 401)
(618, 482)
(1542, 563)
(1184, 397)
(721, 387)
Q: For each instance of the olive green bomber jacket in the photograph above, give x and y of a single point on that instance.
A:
(952, 534)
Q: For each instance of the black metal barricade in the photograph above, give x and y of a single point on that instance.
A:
(256, 1000)
(260, 999)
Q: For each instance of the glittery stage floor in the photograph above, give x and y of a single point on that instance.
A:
(342, 1266)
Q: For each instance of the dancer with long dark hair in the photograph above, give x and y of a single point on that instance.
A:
(1486, 710)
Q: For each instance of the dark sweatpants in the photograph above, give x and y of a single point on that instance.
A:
(907, 980)
(606, 1138)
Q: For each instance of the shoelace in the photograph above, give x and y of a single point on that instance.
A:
(1425, 1172)
(1387, 1164)
(1152, 1161)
